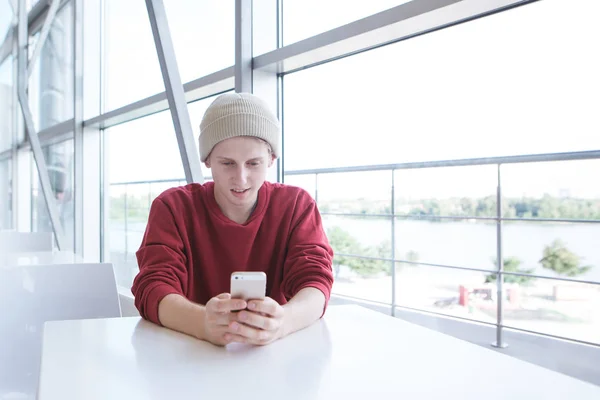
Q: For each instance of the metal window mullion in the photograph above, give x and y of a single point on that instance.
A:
(243, 46)
(31, 133)
(279, 90)
(393, 220)
(375, 30)
(201, 88)
(78, 122)
(15, 136)
(190, 157)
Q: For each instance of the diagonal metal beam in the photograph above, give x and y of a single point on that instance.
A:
(190, 156)
(9, 31)
(243, 46)
(6, 46)
(43, 36)
(36, 148)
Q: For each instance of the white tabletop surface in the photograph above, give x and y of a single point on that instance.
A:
(350, 354)
(39, 258)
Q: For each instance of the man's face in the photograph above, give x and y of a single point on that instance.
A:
(239, 168)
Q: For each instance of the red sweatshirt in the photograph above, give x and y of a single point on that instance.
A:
(191, 248)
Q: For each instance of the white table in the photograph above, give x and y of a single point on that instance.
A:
(353, 353)
(39, 258)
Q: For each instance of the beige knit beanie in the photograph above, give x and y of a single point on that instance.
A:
(238, 114)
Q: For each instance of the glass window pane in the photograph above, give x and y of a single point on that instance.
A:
(362, 278)
(51, 82)
(61, 168)
(6, 205)
(448, 291)
(154, 139)
(453, 191)
(6, 104)
(203, 36)
(396, 104)
(131, 67)
(364, 236)
(203, 40)
(555, 249)
(555, 307)
(326, 15)
(470, 244)
(156, 154)
(6, 16)
(339, 193)
(560, 190)
(264, 26)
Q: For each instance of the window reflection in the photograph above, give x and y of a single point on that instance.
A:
(59, 161)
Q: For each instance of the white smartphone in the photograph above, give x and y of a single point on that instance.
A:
(248, 285)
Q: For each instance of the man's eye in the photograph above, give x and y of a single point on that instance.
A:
(254, 164)
(227, 163)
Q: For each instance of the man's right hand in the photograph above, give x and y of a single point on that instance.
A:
(217, 316)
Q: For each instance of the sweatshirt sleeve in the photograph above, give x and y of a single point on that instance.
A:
(162, 262)
(309, 255)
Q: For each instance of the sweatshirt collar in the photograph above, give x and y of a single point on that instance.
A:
(261, 203)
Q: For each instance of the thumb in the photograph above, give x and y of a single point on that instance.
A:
(224, 296)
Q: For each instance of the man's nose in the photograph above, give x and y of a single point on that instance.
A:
(241, 174)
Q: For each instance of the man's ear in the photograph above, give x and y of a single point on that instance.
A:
(207, 162)
(272, 160)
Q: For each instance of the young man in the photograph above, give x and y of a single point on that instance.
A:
(197, 235)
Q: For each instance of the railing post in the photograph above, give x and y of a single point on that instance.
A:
(317, 189)
(500, 265)
(393, 255)
(126, 225)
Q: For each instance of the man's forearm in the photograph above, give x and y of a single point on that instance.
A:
(303, 309)
(178, 313)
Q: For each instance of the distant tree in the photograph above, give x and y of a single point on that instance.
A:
(343, 242)
(511, 264)
(561, 260)
(467, 206)
(486, 206)
(324, 208)
(383, 250)
(412, 256)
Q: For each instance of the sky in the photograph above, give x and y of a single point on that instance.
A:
(513, 83)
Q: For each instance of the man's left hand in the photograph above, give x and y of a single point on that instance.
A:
(259, 324)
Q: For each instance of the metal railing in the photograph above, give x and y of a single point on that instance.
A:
(498, 218)
(393, 216)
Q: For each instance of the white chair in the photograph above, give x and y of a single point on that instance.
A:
(20, 242)
(33, 295)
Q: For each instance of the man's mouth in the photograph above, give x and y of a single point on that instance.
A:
(239, 190)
